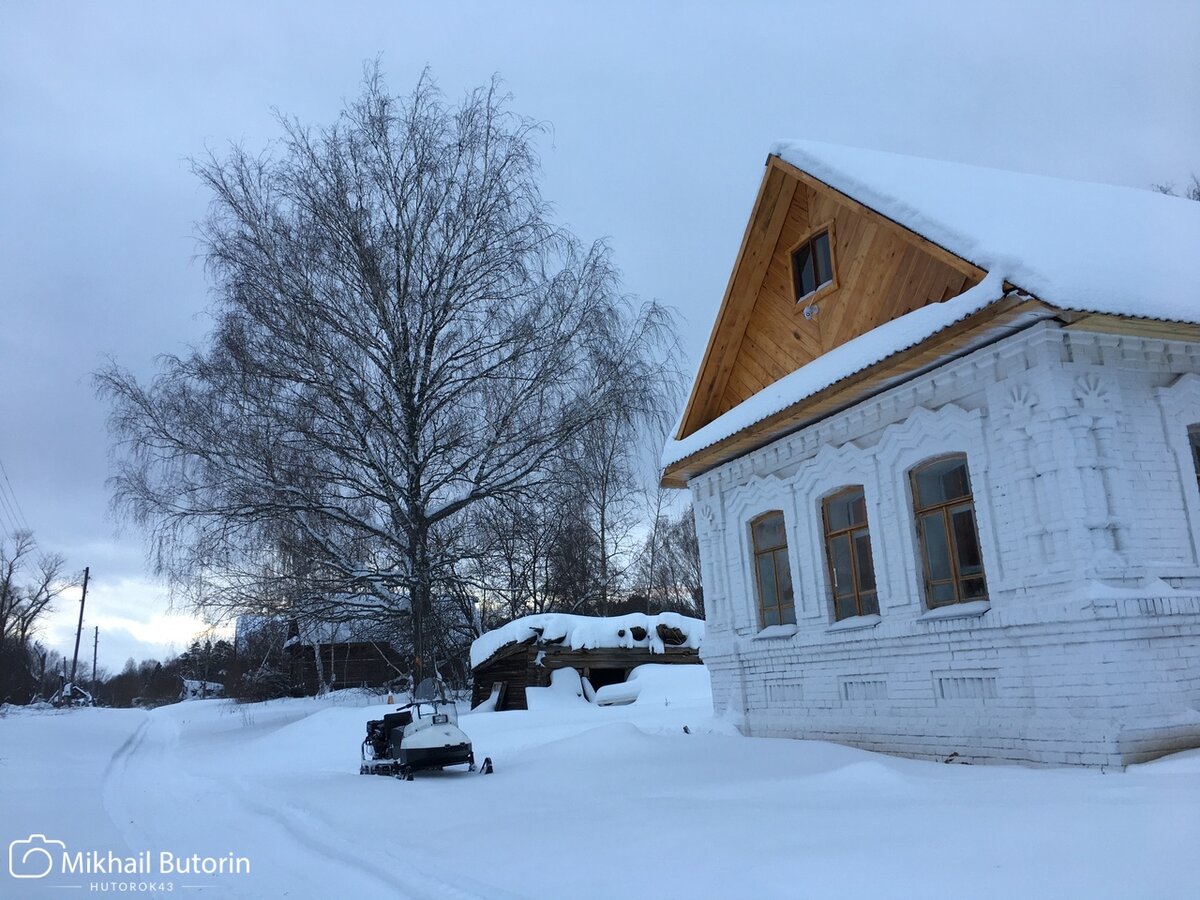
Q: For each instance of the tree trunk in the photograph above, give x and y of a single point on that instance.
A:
(320, 667)
(421, 600)
(603, 560)
(332, 657)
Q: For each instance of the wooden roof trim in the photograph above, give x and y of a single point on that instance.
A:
(509, 649)
(1147, 328)
(771, 206)
(937, 348)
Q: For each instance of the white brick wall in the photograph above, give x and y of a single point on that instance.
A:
(1088, 511)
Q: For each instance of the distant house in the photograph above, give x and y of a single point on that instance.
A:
(944, 450)
(252, 629)
(523, 653)
(194, 689)
(351, 654)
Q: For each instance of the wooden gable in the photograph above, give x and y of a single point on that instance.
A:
(881, 271)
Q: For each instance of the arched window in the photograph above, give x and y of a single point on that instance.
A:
(771, 570)
(945, 512)
(848, 550)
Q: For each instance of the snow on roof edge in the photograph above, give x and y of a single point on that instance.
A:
(841, 362)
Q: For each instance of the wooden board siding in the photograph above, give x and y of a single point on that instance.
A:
(882, 270)
(511, 666)
(357, 664)
(517, 666)
(879, 275)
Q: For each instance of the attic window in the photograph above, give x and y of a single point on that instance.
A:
(812, 265)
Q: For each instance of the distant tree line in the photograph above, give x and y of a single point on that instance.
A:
(255, 669)
(152, 682)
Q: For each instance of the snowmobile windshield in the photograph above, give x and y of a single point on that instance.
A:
(431, 699)
(430, 690)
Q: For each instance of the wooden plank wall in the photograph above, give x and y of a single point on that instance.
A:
(353, 665)
(879, 275)
(511, 668)
(519, 670)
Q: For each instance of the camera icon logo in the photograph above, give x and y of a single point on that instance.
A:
(32, 857)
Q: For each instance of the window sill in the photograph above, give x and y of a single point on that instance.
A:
(775, 631)
(855, 623)
(811, 298)
(970, 610)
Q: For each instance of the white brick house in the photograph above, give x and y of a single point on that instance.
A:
(966, 527)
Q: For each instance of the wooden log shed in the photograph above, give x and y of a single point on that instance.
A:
(347, 664)
(528, 663)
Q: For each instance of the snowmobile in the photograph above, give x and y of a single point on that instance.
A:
(421, 735)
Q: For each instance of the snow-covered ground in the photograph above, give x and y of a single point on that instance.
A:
(585, 802)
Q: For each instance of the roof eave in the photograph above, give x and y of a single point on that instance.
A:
(992, 323)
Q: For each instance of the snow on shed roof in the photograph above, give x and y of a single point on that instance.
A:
(587, 632)
(1076, 245)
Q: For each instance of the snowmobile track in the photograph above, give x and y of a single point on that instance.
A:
(152, 770)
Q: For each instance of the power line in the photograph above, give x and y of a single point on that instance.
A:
(13, 494)
(6, 515)
(15, 513)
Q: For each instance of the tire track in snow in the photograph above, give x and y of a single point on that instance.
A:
(112, 793)
(148, 780)
(413, 881)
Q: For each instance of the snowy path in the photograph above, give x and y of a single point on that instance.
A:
(585, 802)
(168, 786)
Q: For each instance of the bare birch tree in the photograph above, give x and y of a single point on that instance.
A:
(401, 333)
(30, 581)
(669, 564)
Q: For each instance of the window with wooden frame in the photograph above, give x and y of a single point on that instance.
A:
(1194, 441)
(812, 265)
(945, 513)
(848, 551)
(771, 572)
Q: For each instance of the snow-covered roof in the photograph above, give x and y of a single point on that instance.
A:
(588, 632)
(248, 626)
(1075, 245)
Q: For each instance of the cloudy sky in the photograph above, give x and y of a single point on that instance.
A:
(661, 115)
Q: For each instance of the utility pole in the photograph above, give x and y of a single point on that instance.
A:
(95, 646)
(79, 629)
